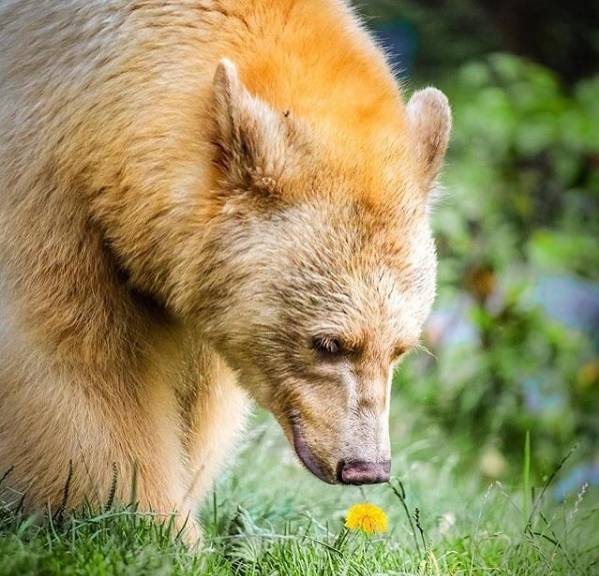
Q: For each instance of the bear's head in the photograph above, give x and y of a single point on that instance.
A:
(320, 266)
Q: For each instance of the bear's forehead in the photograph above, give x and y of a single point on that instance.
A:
(386, 298)
(375, 305)
(349, 225)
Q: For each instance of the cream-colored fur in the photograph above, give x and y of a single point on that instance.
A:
(193, 193)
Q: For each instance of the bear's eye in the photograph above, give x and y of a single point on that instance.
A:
(328, 346)
(398, 352)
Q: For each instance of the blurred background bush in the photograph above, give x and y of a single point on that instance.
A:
(514, 340)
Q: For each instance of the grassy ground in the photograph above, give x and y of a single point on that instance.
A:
(268, 516)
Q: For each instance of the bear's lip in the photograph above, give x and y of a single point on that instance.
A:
(304, 453)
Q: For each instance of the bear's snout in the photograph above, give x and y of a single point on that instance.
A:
(360, 472)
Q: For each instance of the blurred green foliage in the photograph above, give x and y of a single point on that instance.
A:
(520, 206)
(522, 171)
(562, 36)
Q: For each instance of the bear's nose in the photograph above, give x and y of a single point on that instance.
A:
(361, 472)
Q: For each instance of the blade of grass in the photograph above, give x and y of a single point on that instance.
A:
(526, 479)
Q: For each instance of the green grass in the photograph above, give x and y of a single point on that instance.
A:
(267, 516)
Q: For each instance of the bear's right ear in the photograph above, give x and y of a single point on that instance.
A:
(251, 138)
(429, 117)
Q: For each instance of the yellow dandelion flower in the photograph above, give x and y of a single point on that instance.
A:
(367, 518)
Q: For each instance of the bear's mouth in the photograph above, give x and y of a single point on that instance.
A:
(304, 453)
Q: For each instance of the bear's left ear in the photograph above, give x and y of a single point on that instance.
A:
(251, 138)
(429, 117)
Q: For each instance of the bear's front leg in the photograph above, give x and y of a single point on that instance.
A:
(213, 409)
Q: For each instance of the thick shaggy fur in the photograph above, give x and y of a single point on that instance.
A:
(191, 191)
